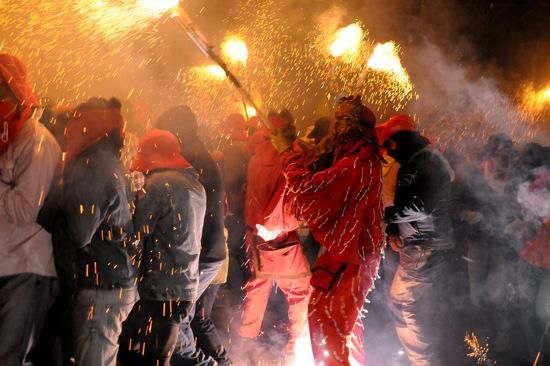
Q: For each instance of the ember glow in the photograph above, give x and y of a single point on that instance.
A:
(235, 50)
(535, 102)
(385, 59)
(214, 72)
(158, 6)
(347, 42)
(249, 111)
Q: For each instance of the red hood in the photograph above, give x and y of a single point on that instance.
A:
(159, 149)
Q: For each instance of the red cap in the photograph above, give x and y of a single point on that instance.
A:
(159, 149)
(394, 125)
(14, 72)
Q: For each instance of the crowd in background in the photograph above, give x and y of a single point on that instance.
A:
(115, 248)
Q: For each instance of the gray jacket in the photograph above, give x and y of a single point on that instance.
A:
(168, 219)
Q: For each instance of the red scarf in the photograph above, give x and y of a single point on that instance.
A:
(89, 126)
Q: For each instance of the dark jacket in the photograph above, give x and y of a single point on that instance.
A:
(496, 210)
(91, 222)
(421, 213)
(235, 163)
(213, 239)
(169, 219)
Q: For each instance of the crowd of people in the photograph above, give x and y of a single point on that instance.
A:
(115, 250)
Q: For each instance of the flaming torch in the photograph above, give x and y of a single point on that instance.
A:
(236, 50)
(385, 59)
(347, 42)
(535, 102)
(158, 6)
(184, 20)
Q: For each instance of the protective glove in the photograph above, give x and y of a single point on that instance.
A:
(279, 141)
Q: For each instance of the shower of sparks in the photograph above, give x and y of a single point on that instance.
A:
(235, 50)
(347, 42)
(126, 48)
(535, 102)
(158, 6)
(478, 352)
(213, 72)
(385, 61)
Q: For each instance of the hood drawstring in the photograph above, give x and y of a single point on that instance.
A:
(5, 132)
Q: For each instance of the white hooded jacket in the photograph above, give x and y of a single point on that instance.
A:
(27, 169)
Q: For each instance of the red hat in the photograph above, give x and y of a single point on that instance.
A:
(159, 149)
(235, 127)
(90, 122)
(14, 72)
(394, 125)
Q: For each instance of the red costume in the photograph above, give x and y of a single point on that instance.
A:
(343, 208)
(274, 251)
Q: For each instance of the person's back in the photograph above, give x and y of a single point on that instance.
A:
(172, 211)
(95, 224)
(92, 224)
(168, 221)
(181, 121)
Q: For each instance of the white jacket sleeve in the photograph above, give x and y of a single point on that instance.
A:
(27, 172)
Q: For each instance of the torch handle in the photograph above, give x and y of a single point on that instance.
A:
(185, 21)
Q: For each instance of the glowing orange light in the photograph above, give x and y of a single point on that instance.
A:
(158, 6)
(249, 111)
(535, 102)
(385, 58)
(235, 50)
(347, 41)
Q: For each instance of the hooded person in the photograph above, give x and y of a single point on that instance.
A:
(181, 121)
(342, 207)
(91, 228)
(168, 220)
(419, 229)
(29, 155)
(273, 246)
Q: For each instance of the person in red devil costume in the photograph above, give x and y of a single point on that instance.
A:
(29, 155)
(342, 206)
(273, 247)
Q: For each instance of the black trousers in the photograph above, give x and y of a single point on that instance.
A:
(150, 333)
(208, 339)
(24, 303)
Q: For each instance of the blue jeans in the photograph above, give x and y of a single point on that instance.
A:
(96, 318)
(187, 354)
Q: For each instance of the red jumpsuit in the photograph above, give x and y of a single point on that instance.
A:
(342, 206)
(278, 259)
